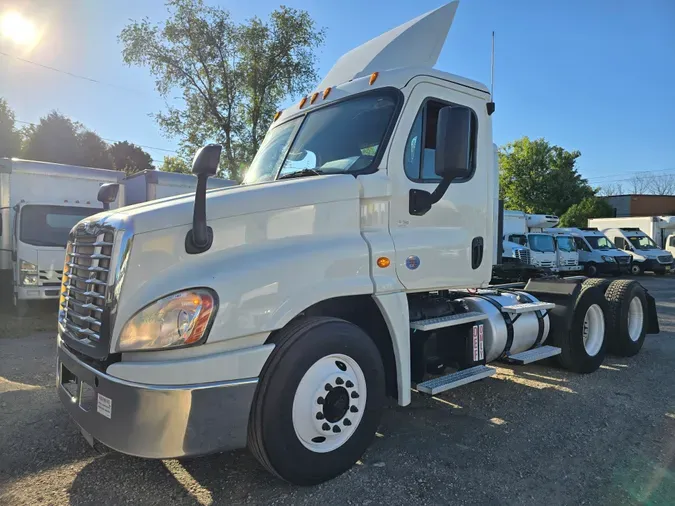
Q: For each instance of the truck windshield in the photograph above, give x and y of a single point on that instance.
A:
(642, 242)
(566, 244)
(519, 239)
(542, 243)
(600, 242)
(50, 225)
(341, 138)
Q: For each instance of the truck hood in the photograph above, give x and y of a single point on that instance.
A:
(651, 253)
(236, 201)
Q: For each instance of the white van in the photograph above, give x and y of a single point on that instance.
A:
(597, 254)
(646, 255)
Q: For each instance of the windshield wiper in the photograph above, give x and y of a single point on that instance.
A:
(301, 173)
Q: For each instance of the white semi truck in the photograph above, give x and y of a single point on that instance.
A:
(279, 314)
(39, 204)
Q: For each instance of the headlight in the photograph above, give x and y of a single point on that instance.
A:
(180, 319)
(608, 259)
(28, 274)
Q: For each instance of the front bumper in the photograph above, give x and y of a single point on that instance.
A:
(154, 421)
(38, 292)
(655, 266)
(610, 268)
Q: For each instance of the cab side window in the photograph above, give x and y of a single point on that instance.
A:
(420, 151)
(581, 244)
(671, 240)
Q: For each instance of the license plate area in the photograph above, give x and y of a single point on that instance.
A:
(80, 392)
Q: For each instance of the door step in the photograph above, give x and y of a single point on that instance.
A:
(448, 321)
(527, 307)
(533, 355)
(456, 379)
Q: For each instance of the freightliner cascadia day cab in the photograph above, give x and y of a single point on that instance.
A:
(39, 204)
(279, 314)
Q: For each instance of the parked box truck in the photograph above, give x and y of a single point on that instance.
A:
(154, 184)
(39, 203)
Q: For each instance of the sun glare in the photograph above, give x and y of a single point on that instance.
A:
(18, 29)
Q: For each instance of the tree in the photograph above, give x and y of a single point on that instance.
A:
(232, 76)
(639, 183)
(54, 139)
(611, 190)
(176, 164)
(130, 158)
(663, 184)
(579, 214)
(538, 177)
(10, 137)
(93, 151)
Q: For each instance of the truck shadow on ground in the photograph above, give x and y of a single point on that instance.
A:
(533, 433)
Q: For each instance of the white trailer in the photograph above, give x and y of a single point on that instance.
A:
(643, 238)
(278, 314)
(39, 204)
(156, 184)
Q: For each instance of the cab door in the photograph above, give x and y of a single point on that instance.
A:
(452, 244)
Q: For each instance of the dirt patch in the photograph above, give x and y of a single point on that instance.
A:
(41, 317)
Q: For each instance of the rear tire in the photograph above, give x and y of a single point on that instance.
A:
(318, 402)
(585, 345)
(603, 283)
(627, 318)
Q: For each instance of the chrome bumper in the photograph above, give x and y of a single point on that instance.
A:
(154, 421)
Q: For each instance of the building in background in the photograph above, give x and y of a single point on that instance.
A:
(642, 205)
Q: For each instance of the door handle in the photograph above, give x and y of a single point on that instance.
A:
(476, 252)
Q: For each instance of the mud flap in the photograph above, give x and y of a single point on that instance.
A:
(652, 317)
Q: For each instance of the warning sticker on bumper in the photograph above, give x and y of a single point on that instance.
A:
(104, 405)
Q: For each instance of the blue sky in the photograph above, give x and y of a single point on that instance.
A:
(591, 75)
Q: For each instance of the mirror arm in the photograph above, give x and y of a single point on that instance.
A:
(200, 237)
(421, 200)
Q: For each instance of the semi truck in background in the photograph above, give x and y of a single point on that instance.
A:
(278, 314)
(39, 204)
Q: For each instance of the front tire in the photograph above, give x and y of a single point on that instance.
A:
(319, 400)
(636, 269)
(585, 345)
(627, 320)
(591, 270)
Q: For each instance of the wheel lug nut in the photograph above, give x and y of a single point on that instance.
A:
(354, 409)
(319, 400)
(339, 381)
(328, 387)
(319, 416)
(325, 426)
(336, 429)
(347, 422)
(349, 384)
(355, 395)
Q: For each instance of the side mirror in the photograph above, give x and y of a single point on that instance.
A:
(206, 160)
(107, 194)
(452, 158)
(453, 142)
(204, 164)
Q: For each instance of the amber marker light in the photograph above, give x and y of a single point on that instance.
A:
(373, 77)
(383, 262)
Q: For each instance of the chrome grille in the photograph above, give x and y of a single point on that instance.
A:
(85, 281)
(523, 255)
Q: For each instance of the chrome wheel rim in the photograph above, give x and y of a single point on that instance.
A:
(636, 317)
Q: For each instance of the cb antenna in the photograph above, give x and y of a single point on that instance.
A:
(491, 103)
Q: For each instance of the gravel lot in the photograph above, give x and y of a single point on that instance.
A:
(529, 435)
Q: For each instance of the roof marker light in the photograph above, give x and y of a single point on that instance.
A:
(276, 116)
(314, 97)
(326, 92)
(302, 102)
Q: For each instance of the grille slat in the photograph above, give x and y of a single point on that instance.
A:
(85, 285)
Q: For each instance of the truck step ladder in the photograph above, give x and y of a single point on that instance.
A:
(528, 307)
(533, 355)
(457, 379)
(448, 321)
